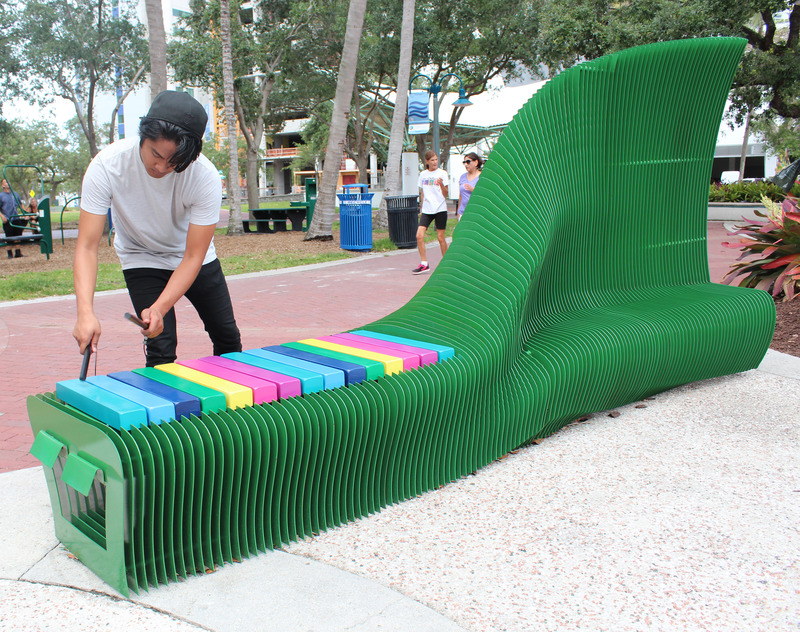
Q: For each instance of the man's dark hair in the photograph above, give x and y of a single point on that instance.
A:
(189, 146)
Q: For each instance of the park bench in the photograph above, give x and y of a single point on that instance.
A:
(270, 220)
(569, 289)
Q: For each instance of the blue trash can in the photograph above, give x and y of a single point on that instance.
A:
(355, 217)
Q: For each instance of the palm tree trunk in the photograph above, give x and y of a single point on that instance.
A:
(322, 224)
(745, 143)
(392, 181)
(157, 41)
(234, 197)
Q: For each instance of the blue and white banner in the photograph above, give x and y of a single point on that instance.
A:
(419, 117)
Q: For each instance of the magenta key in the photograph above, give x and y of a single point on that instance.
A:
(263, 391)
(288, 386)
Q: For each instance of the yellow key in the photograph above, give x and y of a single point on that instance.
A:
(236, 395)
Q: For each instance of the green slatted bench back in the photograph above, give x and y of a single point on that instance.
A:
(598, 186)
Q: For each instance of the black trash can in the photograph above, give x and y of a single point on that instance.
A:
(403, 215)
(355, 217)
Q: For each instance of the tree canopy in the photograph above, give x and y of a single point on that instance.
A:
(267, 55)
(767, 84)
(62, 158)
(76, 49)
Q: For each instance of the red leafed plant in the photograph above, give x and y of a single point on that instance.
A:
(775, 242)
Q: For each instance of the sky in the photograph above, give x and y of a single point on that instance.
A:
(60, 111)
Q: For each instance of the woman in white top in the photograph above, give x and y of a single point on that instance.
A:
(433, 206)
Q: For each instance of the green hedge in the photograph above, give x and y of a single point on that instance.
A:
(748, 192)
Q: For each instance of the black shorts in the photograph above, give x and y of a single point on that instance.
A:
(425, 220)
(14, 230)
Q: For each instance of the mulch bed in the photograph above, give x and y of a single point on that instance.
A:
(787, 328)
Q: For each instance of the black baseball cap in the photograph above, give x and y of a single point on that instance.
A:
(181, 109)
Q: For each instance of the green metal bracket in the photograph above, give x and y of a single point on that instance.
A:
(46, 448)
(79, 474)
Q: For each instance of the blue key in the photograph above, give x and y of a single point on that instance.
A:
(353, 373)
(185, 404)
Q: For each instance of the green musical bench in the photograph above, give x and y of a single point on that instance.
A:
(596, 294)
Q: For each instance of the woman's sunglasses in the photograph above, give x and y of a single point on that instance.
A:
(467, 162)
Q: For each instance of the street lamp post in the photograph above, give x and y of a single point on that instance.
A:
(434, 90)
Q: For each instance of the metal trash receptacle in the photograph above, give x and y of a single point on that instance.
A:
(355, 217)
(402, 212)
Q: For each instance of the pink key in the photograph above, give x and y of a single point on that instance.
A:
(263, 391)
(288, 386)
(426, 356)
(410, 360)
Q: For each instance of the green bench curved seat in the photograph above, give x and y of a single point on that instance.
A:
(577, 281)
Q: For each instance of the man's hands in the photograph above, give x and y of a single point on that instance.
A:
(87, 332)
(90, 231)
(155, 322)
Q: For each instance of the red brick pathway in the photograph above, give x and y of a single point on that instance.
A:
(37, 348)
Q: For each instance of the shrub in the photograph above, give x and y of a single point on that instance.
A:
(751, 192)
(776, 244)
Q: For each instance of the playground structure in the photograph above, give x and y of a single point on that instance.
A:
(41, 232)
(598, 296)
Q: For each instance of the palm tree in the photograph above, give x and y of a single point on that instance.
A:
(234, 197)
(322, 224)
(157, 41)
(392, 186)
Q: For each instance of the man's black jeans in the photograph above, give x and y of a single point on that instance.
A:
(210, 297)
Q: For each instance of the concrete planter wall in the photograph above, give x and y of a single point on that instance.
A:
(732, 211)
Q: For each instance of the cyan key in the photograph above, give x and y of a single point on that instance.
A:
(113, 410)
(158, 409)
(309, 382)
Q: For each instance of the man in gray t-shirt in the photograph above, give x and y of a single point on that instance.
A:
(165, 199)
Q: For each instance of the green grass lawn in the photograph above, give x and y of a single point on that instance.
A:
(56, 282)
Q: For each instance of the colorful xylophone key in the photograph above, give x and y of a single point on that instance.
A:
(131, 399)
